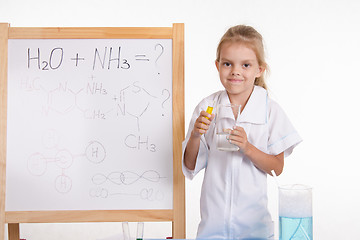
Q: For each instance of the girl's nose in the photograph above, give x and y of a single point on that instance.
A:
(235, 72)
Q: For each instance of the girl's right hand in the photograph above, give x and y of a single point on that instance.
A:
(202, 123)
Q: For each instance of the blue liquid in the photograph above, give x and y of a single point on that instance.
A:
(296, 228)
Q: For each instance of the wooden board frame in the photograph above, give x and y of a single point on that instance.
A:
(175, 215)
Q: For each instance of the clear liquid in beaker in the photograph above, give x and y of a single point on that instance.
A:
(223, 144)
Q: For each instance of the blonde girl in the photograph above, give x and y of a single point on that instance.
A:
(234, 194)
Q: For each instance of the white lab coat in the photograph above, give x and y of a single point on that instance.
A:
(233, 201)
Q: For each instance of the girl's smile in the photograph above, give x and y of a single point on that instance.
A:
(235, 80)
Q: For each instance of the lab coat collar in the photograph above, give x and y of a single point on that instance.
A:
(255, 110)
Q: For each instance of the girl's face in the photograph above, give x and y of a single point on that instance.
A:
(238, 67)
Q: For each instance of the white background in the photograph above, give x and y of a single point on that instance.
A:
(313, 49)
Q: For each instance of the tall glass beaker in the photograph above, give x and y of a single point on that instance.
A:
(225, 119)
(295, 212)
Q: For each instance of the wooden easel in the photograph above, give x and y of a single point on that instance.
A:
(175, 215)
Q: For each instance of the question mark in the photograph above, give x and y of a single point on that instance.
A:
(167, 98)
(162, 51)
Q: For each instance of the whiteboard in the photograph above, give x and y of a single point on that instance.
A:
(89, 124)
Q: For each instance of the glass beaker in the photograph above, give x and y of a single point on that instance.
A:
(225, 119)
(295, 212)
(140, 231)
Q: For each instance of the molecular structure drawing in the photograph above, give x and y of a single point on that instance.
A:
(63, 159)
(132, 100)
(127, 178)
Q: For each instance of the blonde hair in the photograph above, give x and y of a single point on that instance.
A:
(251, 38)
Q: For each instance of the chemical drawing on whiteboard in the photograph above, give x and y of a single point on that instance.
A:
(63, 159)
(98, 124)
(95, 152)
(132, 100)
(127, 178)
(149, 194)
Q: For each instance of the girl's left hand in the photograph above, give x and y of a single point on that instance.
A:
(239, 138)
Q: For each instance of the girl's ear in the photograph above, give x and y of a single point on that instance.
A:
(217, 65)
(261, 71)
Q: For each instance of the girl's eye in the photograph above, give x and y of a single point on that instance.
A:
(246, 65)
(227, 64)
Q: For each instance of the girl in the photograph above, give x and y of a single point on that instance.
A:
(234, 191)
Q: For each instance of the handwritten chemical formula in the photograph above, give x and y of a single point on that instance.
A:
(68, 97)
